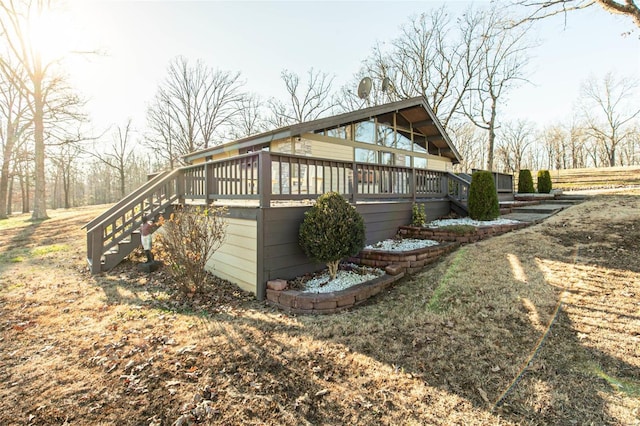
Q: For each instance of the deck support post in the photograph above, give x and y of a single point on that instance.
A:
(96, 248)
(264, 173)
(354, 186)
(208, 184)
(412, 183)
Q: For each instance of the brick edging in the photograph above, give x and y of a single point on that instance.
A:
(396, 265)
(479, 233)
(299, 302)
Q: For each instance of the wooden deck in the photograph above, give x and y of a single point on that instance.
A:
(270, 193)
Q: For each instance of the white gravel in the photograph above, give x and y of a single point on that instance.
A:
(343, 280)
(467, 221)
(406, 244)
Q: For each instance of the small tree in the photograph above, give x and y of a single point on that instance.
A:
(418, 215)
(331, 230)
(191, 236)
(544, 182)
(483, 198)
(525, 182)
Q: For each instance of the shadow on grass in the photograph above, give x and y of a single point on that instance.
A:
(428, 337)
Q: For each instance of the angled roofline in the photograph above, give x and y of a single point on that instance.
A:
(328, 122)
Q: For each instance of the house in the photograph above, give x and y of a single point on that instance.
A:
(382, 159)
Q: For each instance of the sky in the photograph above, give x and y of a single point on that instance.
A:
(138, 39)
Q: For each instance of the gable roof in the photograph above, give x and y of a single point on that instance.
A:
(414, 110)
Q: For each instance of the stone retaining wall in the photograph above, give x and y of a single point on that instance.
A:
(408, 261)
(328, 303)
(395, 264)
(438, 234)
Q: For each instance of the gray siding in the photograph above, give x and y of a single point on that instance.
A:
(283, 257)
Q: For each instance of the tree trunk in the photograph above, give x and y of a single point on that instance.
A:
(122, 182)
(10, 197)
(40, 192)
(333, 268)
(4, 172)
(4, 184)
(492, 136)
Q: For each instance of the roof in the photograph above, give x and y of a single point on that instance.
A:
(414, 110)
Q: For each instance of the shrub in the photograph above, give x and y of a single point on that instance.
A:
(544, 182)
(418, 215)
(190, 237)
(525, 182)
(483, 198)
(331, 230)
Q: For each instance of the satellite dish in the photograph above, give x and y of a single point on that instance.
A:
(386, 82)
(364, 88)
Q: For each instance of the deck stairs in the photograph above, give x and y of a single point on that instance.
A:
(528, 208)
(115, 233)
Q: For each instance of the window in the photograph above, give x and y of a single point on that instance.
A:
(419, 163)
(366, 155)
(343, 132)
(386, 136)
(387, 158)
(404, 140)
(365, 131)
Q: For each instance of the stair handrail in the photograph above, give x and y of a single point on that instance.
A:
(461, 181)
(132, 198)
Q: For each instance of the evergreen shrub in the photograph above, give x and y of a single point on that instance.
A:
(544, 182)
(483, 198)
(418, 215)
(331, 230)
(525, 182)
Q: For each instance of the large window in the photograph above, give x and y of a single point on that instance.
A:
(365, 131)
(343, 132)
(366, 155)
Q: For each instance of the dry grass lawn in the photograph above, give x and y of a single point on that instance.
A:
(535, 327)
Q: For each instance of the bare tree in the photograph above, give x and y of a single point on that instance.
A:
(307, 101)
(609, 107)
(249, 119)
(65, 172)
(118, 155)
(540, 9)
(39, 80)
(503, 62)
(14, 125)
(515, 139)
(190, 107)
(471, 143)
(435, 57)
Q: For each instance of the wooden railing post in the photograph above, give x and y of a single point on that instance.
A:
(264, 178)
(444, 182)
(207, 183)
(180, 186)
(354, 185)
(96, 248)
(413, 184)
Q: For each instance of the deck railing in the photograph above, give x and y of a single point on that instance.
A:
(263, 177)
(503, 182)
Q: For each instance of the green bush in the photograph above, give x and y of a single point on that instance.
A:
(544, 182)
(525, 182)
(483, 198)
(418, 215)
(331, 230)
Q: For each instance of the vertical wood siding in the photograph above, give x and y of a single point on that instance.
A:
(236, 259)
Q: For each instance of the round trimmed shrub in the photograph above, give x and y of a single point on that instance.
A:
(483, 198)
(525, 182)
(544, 182)
(331, 230)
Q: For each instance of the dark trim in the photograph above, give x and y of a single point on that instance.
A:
(330, 122)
